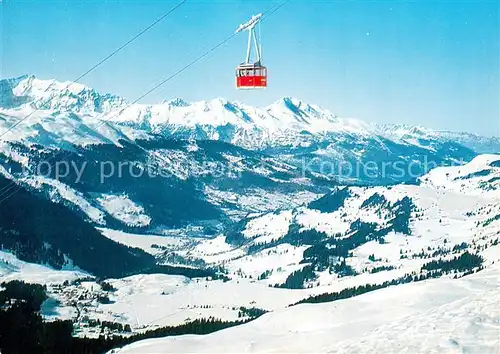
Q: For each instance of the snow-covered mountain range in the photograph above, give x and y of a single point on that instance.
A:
(287, 122)
(64, 115)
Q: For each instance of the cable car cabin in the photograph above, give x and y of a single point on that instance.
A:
(251, 76)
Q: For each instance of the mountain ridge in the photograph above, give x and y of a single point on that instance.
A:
(51, 114)
(291, 111)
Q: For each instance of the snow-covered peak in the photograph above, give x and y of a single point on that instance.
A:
(13, 82)
(27, 90)
(253, 126)
(300, 111)
(287, 114)
(294, 103)
(411, 134)
(176, 102)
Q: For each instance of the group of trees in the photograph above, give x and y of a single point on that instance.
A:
(466, 263)
(375, 200)
(22, 329)
(330, 252)
(114, 326)
(39, 231)
(355, 291)
(252, 312)
(490, 220)
(297, 279)
(265, 275)
(382, 268)
(322, 253)
(105, 286)
(295, 237)
(402, 210)
(342, 269)
(332, 201)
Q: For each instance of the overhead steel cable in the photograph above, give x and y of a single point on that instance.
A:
(276, 8)
(102, 61)
(98, 64)
(14, 187)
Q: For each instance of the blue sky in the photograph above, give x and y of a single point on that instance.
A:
(430, 63)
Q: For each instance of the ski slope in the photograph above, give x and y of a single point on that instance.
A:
(434, 316)
(11, 268)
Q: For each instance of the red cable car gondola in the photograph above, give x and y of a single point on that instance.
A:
(251, 75)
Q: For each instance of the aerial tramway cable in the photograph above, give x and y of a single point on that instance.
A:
(15, 187)
(102, 61)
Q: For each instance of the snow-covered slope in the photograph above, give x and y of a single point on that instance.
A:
(477, 177)
(11, 268)
(439, 315)
(355, 235)
(347, 239)
(242, 193)
(358, 235)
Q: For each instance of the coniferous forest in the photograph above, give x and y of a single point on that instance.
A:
(21, 322)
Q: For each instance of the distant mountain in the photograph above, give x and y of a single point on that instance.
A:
(421, 135)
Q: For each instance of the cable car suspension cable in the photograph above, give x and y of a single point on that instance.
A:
(13, 186)
(102, 61)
